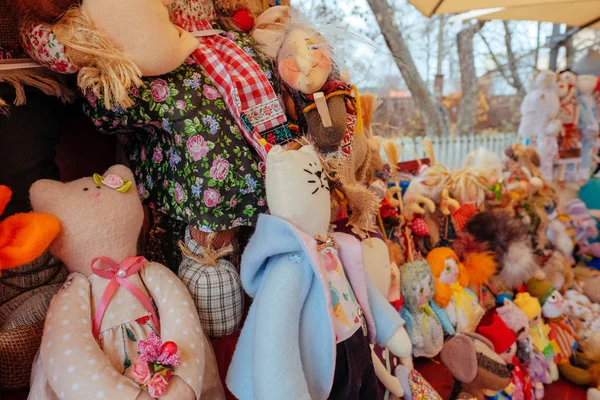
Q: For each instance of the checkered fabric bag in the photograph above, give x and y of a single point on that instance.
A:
(217, 292)
(244, 87)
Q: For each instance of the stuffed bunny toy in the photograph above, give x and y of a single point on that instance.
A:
(588, 121)
(477, 369)
(308, 284)
(115, 304)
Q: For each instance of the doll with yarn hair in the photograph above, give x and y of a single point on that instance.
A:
(423, 326)
(451, 283)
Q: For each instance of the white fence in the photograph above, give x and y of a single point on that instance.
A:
(452, 151)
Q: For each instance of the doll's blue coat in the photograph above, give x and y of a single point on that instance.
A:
(287, 347)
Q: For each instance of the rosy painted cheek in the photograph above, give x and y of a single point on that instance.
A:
(289, 71)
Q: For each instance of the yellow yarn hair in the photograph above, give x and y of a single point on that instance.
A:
(529, 305)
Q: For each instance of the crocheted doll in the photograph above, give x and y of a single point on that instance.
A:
(201, 105)
(115, 305)
(314, 310)
(539, 332)
(588, 122)
(476, 367)
(569, 142)
(451, 282)
(505, 345)
(423, 326)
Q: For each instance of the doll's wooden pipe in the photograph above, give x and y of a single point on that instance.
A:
(323, 109)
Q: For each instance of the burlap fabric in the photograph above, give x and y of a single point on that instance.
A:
(25, 294)
(9, 25)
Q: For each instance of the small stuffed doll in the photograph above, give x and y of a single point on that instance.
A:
(423, 326)
(588, 122)
(569, 143)
(478, 371)
(539, 332)
(540, 102)
(119, 319)
(324, 101)
(584, 314)
(562, 334)
(451, 282)
(505, 345)
(314, 309)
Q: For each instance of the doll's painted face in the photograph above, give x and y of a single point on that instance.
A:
(450, 273)
(304, 60)
(562, 89)
(553, 307)
(423, 291)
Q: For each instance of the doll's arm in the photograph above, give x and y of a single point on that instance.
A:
(277, 372)
(179, 323)
(389, 381)
(446, 316)
(328, 139)
(390, 326)
(75, 365)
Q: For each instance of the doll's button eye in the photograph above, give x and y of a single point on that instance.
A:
(85, 189)
(98, 187)
(295, 258)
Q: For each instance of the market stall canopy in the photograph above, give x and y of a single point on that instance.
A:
(588, 65)
(576, 13)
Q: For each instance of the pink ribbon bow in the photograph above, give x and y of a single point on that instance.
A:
(117, 274)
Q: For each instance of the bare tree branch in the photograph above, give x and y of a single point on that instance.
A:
(467, 112)
(432, 113)
(512, 60)
(499, 67)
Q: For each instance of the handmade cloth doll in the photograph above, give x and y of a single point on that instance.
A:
(202, 105)
(451, 283)
(423, 326)
(306, 285)
(115, 304)
(584, 226)
(477, 369)
(539, 332)
(306, 67)
(570, 140)
(504, 341)
(588, 122)
(584, 314)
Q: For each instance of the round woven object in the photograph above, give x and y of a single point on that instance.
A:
(17, 350)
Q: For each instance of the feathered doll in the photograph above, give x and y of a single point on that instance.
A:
(451, 280)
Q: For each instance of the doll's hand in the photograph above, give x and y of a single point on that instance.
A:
(510, 389)
(178, 390)
(400, 344)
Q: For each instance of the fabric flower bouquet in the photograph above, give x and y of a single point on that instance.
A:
(155, 365)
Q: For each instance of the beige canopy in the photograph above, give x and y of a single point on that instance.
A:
(577, 13)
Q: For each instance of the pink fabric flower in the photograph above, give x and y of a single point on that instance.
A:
(233, 202)
(140, 189)
(160, 90)
(211, 198)
(179, 194)
(237, 222)
(112, 181)
(219, 169)
(157, 386)
(197, 147)
(180, 104)
(140, 372)
(143, 154)
(158, 155)
(150, 349)
(210, 92)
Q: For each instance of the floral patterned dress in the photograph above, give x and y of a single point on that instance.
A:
(187, 152)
